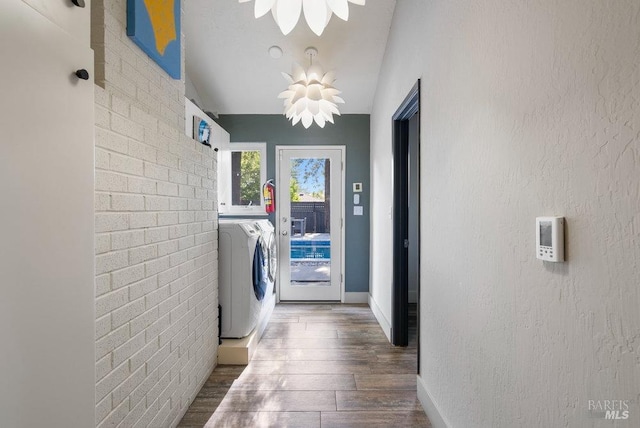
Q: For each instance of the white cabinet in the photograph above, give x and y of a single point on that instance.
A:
(47, 221)
(64, 13)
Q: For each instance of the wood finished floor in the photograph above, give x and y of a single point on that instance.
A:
(316, 366)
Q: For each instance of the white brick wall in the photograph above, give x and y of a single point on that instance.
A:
(156, 238)
(142, 87)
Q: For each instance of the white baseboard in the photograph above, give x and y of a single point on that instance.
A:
(384, 323)
(354, 297)
(430, 407)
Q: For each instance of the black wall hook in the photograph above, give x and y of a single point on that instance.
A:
(82, 74)
(79, 3)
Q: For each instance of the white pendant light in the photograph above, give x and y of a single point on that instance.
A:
(310, 96)
(317, 12)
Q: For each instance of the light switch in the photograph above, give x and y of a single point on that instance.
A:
(358, 210)
(356, 199)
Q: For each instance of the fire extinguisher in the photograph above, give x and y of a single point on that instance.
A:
(269, 193)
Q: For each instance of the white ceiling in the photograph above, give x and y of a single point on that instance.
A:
(227, 57)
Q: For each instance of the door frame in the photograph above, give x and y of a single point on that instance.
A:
(343, 157)
(400, 185)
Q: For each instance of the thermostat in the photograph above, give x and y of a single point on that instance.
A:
(550, 239)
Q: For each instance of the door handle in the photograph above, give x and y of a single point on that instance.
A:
(82, 74)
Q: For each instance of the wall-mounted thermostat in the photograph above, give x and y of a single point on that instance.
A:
(550, 239)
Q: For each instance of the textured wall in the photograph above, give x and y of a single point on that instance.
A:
(156, 238)
(528, 109)
(352, 131)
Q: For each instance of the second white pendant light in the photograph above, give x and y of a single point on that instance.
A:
(286, 13)
(310, 96)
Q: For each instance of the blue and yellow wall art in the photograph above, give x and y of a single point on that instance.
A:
(154, 25)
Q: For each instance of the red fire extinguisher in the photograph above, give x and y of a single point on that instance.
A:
(269, 194)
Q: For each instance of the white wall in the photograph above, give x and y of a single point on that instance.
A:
(190, 90)
(46, 219)
(156, 238)
(528, 109)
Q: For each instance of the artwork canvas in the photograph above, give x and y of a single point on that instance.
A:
(154, 25)
(201, 131)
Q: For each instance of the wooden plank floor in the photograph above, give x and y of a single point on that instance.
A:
(316, 366)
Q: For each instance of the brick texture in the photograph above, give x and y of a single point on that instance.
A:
(156, 238)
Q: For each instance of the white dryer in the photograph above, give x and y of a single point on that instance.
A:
(268, 241)
(244, 281)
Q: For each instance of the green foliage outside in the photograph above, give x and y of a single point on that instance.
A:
(306, 175)
(307, 169)
(294, 190)
(302, 171)
(250, 186)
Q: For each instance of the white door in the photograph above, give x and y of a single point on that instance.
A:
(47, 271)
(309, 219)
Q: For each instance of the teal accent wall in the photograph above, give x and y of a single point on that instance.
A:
(349, 130)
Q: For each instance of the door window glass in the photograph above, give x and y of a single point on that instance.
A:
(310, 222)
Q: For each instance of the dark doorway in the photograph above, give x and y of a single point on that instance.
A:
(406, 219)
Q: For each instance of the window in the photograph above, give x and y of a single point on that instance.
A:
(242, 169)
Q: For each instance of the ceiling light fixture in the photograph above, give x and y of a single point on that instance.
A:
(310, 96)
(286, 13)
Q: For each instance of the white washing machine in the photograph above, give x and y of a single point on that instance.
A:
(245, 282)
(268, 235)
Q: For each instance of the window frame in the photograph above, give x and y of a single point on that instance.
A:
(225, 206)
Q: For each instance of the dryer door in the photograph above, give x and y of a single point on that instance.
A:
(273, 256)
